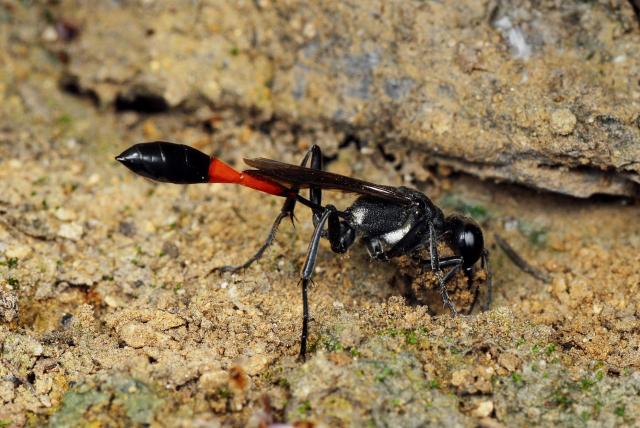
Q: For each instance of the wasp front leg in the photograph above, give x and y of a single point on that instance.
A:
(437, 270)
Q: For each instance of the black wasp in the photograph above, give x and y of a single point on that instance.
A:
(390, 221)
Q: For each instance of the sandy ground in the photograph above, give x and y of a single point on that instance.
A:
(110, 316)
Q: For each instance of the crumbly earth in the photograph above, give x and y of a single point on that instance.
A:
(110, 314)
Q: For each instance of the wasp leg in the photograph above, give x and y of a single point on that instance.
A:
(315, 155)
(286, 211)
(435, 267)
(450, 261)
(468, 272)
(411, 240)
(457, 262)
(315, 193)
(307, 272)
(449, 275)
(485, 265)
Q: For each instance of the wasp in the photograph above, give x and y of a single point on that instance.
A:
(391, 222)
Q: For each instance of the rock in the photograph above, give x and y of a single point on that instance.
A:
(64, 214)
(461, 378)
(256, 364)
(170, 249)
(162, 320)
(21, 351)
(7, 391)
(491, 98)
(483, 410)
(127, 228)
(18, 251)
(509, 361)
(563, 122)
(137, 335)
(212, 381)
(71, 231)
(8, 305)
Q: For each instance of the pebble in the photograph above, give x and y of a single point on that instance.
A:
(460, 377)
(50, 34)
(71, 231)
(93, 179)
(64, 214)
(213, 380)
(170, 249)
(137, 335)
(23, 346)
(484, 409)
(563, 121)
(15, 164)
(255, 364)
(18, 252)
(163, 320)
(8, 305)
(111, 301)
(509, 361)
(7, 391)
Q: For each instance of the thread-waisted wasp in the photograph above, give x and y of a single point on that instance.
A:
(390, 221)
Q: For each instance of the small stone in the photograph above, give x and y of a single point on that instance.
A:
(15, 164)
(137, 335)
(484, 409)
(93, 179)
(509, 361)
(440, 122)
(563, 121)
(71, 231)
(23, 346)
(533, 413)
(213, 380)
(8, 305)
(255, 364)
(64, 214)
(126, 228)
(150, 130)
(50, 34)
(309, 30)
(111, 301)
(7, 391)
(18, 252)
(460, 377)
(163, 320)
(43, 384)
(170, 249)
(45, 400)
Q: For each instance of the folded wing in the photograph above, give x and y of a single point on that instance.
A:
(294, 176)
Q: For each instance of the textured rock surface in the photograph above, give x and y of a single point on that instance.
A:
(121, 323)
(545, 94)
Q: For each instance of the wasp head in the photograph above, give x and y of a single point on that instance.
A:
(466, 238)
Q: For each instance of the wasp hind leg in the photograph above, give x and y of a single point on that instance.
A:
(286, 211)
(314, 154)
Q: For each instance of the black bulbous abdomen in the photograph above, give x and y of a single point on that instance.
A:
(167, 162)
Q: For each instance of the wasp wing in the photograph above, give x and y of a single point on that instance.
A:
(301, 177)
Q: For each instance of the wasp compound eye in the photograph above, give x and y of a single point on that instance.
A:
(466, 238)
(168, 162)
